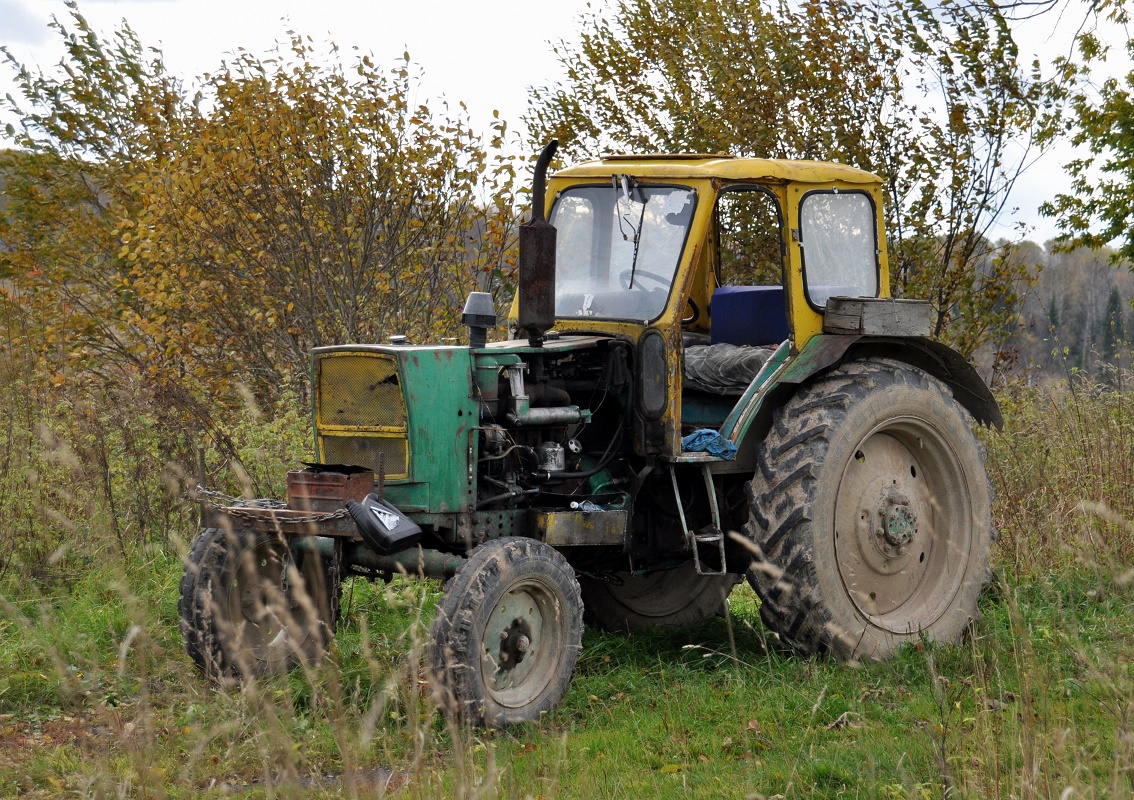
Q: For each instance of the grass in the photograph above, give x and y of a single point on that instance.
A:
(98, 699)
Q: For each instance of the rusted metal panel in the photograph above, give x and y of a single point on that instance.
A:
(536, 269)
(573, 528)
(326, 490)
(536, 260)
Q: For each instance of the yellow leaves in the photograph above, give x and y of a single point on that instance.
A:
(958, 122)
(295, 211)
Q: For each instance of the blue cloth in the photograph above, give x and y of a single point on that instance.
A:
(706, 440)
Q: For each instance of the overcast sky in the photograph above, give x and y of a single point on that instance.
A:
(485, 53)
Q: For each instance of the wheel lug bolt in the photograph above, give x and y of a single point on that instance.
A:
(523, 643)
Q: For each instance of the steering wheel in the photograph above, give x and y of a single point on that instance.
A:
(624, 278)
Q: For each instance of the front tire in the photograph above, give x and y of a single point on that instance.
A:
(871, 514)
(507, 634)
(250, 606)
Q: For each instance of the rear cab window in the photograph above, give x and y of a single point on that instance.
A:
(839, 245)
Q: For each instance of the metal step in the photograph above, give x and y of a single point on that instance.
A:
(714, 536)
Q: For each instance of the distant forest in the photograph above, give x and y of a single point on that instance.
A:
(1073, 320)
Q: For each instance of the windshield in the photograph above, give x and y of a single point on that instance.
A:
(617, 248)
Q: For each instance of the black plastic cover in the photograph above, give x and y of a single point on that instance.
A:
(384, 529)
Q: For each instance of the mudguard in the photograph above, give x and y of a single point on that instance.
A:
(939, 360)
(783, 372)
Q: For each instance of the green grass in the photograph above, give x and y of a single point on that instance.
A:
(98, 699)
(1038, 699)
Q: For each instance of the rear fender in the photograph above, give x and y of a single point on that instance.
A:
(826, 351)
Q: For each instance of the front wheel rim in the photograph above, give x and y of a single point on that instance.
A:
(255, 605)
(523, 642)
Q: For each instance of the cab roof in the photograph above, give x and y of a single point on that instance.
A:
(721, 166)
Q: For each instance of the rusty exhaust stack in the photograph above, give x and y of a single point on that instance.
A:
(536, 265)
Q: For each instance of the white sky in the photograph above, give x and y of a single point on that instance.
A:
(485, 53)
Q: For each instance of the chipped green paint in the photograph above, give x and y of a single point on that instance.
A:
(738, 422)
(820, 352)
(442, 413)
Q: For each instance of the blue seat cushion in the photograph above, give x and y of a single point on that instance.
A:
(753, 315)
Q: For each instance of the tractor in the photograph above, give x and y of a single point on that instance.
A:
(705, 380)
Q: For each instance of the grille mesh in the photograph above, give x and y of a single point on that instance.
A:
(364, 451)
(360, 391)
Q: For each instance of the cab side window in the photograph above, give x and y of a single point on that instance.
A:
(838, 237)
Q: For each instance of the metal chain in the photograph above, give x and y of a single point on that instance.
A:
(220, 499)
(235, 507)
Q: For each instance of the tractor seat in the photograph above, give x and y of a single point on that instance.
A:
(747, 324)
(722, 368)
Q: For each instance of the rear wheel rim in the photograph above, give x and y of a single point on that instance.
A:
(903, 525)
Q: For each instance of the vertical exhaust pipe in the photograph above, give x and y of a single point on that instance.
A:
(536, 262)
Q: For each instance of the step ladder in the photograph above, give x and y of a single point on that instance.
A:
(712, 535)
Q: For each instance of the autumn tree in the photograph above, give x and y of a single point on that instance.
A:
(198, 243)
(932, 97)
(83, 135)
(168, 256)
(312, 206)
(1099, 209)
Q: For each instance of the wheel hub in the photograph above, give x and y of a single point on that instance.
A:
(513, 655)
(897, 522)
(884, 524)
(515, 641)
(900, 525)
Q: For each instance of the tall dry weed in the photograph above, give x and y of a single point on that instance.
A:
(1063, 447)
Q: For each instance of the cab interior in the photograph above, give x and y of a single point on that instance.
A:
(736, 314)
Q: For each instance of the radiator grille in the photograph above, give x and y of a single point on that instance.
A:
(361, 413)
(367, 451)
(360, 391)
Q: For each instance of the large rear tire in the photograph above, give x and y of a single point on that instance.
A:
(871, 514)
(668, 599)
(249, 605)
(507, 634)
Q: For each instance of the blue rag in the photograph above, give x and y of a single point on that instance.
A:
(706, 440)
